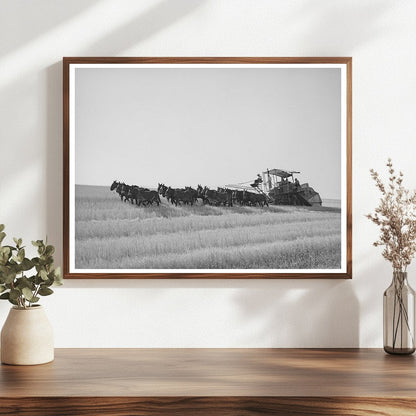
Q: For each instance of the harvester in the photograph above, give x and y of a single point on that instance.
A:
(284, 189)
(280, 187)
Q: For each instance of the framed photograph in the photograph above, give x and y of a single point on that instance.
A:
(207, 167)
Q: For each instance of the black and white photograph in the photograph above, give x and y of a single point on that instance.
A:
(207, 168)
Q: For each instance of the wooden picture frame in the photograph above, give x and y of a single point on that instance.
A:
(240, 107)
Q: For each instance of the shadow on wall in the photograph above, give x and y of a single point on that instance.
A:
(54, 147)
(348, 25)
(37, 17)
(375, 277)
(142, 27)
(301, 313)
(153, 20)
(281, 313)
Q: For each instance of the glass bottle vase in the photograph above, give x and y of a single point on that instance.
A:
(399, 316)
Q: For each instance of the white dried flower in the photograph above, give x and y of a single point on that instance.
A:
(396, 217)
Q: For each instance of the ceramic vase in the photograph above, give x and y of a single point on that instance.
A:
(27, 337)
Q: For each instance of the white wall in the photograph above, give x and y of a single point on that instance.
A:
(380, 35)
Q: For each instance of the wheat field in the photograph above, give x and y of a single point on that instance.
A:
(110, 234)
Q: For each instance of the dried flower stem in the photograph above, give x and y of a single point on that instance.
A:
(396, 217)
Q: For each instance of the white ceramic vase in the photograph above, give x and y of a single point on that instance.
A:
(27, 337)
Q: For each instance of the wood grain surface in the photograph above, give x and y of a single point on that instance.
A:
(212, 381)
(208, 406)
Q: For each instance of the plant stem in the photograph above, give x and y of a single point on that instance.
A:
(394, 315)
(401, 314)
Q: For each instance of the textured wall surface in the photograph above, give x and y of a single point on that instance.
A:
(34, 36)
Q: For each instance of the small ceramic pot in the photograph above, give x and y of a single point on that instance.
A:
(27, 337)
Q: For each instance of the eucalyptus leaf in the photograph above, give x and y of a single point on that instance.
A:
(2, 236)
(50, 250)
(57, 272)
(17, 241)
(5, 295)
(5, 250)
(37, 280)
(26, 264)
(24, 282)
(49, 282)
(2, 226)
(27, 293)
(58, 277)
(9, 277)
(48, 260)
(13, 301)
(15, 293)
(21, 255)
(11, 248)
(43, 275)
(45, 291)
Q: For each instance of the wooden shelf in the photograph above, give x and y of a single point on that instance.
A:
(212, 382)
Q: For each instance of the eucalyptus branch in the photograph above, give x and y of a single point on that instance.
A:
(15, 286)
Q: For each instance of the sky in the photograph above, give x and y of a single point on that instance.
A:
(210, 126)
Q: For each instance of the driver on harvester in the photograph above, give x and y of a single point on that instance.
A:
(257, 181)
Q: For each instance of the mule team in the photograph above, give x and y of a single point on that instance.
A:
(187, 195)
(135, 194)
